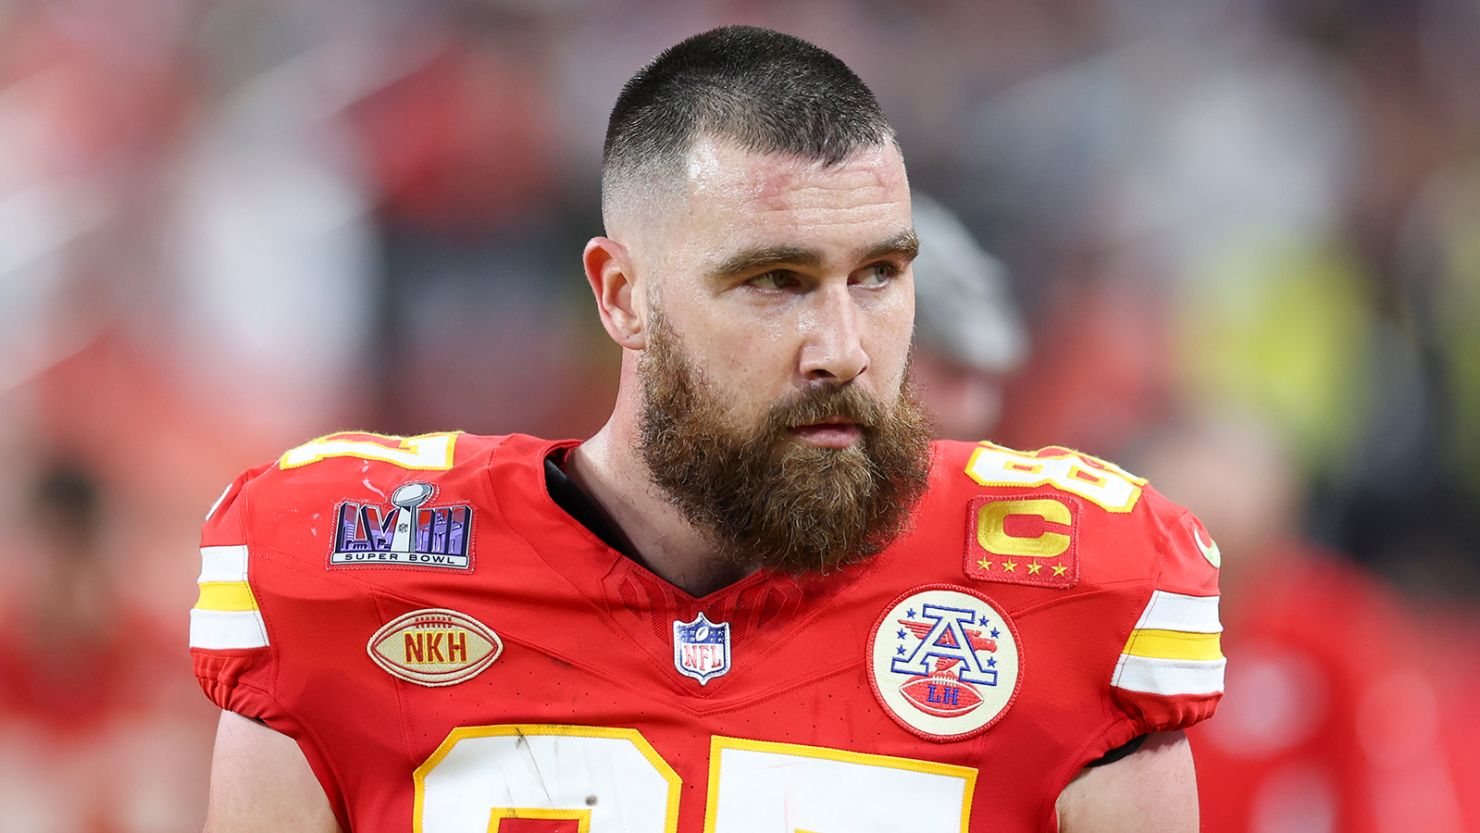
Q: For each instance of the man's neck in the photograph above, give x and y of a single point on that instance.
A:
(608, 469)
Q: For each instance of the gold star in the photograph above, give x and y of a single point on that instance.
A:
(1010, 566)
(1034, 568)
(1059, 569)
(984, 564)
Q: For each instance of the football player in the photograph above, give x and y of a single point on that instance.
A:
(758, 599)
(968, 334)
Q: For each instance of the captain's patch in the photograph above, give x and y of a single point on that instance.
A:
(944, 662)
(1023, 540)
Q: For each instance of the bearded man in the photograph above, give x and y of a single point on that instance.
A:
(758, 599)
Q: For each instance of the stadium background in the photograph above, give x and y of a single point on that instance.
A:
(1244, 238)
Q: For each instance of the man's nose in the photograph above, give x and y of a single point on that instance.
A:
(832, 350)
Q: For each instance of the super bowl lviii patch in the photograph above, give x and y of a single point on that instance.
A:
(405, 533)
(701, 648)
(1023, 540)
(944, 662)
(434, 647)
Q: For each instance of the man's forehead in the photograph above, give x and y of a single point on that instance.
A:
(723, 175)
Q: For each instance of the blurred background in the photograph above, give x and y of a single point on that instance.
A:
(1234, 246)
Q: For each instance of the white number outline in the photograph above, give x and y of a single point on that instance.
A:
(632, 736)
(718, 745)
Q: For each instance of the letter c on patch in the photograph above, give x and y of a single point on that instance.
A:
(991, 528)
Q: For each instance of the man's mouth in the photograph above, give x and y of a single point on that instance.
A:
(830, 433)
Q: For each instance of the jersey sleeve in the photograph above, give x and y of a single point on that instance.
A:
(1170, 673)
(229, 639)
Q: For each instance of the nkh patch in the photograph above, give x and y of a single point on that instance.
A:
(944, 662)
(1030, 539)
(434, 647)
(701, 648)
(406, 533)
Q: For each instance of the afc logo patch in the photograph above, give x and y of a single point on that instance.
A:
(408, 533)
(944, 662)
(1029, 540)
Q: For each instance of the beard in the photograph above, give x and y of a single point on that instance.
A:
(762, 497)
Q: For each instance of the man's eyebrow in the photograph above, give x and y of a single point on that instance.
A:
(760, 257)
(904, 244)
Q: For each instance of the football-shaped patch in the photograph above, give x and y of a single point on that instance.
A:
(941, 695)
(944, 662)
(434, 647)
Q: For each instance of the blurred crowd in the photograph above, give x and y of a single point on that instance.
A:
(1234, 246)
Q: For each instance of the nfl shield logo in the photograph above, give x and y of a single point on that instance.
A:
(701, 649)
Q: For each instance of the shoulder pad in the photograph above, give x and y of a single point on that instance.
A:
(1170, 671)
(271, 531)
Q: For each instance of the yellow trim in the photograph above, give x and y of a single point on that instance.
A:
(632, 736)
(1162, 644)
(582, 818)
(423, 452)
(225, 595)
(719, 743)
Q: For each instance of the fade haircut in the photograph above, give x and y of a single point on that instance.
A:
(765, 91)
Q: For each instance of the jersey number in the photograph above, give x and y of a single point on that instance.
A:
(587, 779)
(1105, 484)
(424, 452)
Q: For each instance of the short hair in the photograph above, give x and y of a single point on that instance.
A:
(767, 91)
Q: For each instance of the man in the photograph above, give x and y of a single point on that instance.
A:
(967, 332)
(757, 599)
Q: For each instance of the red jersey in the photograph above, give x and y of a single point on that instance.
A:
(454, 652)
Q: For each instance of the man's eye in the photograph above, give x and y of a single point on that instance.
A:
(778, 279)
(876, 275)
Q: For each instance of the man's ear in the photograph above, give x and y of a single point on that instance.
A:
(609, 271)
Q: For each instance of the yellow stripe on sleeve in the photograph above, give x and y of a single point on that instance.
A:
(225, 596)
(1163, 644)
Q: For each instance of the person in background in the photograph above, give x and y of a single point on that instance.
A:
(968, 334)
(1332, 721)
(84, 691)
